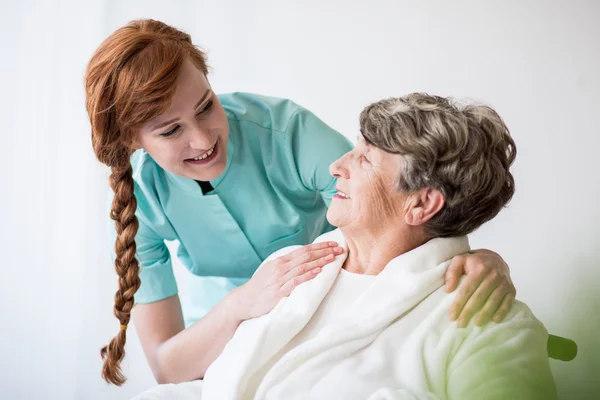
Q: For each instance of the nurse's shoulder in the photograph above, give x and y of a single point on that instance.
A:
(299, 137)
(269, 112)
(304, 134)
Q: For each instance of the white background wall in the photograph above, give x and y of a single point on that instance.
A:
(536, 62)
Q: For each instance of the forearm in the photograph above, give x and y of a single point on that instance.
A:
(187, 355)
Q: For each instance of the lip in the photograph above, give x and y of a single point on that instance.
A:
(207, 159)
(337, 196)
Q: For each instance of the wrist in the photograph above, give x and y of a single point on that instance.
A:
(235, 306)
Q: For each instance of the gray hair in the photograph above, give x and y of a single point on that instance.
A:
(465, 152)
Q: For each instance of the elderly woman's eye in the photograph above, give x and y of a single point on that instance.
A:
(363, 158)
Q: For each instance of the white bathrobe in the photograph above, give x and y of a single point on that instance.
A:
(395, 342)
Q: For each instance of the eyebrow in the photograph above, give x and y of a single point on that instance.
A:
(202, 99)
(169, 122)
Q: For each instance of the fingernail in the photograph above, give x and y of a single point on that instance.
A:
(339, 250)
(317, 270)
(461, 323)
(333, 244)
(452, 316)
(329, 257)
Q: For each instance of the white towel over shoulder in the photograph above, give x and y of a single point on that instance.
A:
(395, 342)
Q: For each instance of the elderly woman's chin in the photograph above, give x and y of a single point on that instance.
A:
(336, 216)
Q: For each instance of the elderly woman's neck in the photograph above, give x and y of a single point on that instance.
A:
(370, 252)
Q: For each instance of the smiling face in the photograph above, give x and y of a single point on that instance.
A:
(190, 138)
(367, 197)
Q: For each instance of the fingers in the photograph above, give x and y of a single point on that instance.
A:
(476, 301)
(464, 294)
(291, 284)
(309, 255)
(306, 263)
(454, 272)
(504, 307)
(306, 267)
(310, 247)
(492, 305)
(309, 261)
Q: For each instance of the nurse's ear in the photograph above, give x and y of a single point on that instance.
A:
(422, 205)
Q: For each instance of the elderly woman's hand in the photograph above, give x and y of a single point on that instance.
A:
(488, 287)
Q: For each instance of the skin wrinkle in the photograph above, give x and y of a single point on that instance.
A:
(379, 202)
(461, 156)
(372, 214)
(464, 152)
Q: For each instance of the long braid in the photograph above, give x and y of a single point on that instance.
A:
(126, 265)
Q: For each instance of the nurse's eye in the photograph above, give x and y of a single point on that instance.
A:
(206, 108)
(171, 132)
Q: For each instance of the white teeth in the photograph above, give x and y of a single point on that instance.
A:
(205, 155)
(342, 194)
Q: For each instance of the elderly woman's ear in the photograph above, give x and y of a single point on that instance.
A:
(423, 205)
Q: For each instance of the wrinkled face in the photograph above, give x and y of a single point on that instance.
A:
(367, 197)
(190, 138)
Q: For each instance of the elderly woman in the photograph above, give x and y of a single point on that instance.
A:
(373, 324)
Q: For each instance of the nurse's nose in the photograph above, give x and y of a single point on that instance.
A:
(339, 168)
(200, 139)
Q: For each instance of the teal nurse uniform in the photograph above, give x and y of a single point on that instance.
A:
(273, 193)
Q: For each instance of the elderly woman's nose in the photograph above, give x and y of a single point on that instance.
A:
(338, 168)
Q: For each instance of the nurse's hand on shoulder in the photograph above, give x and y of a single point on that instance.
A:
(487, 287)
(277, 278)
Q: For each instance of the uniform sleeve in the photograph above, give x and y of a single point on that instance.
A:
(156, 272)
(315, 146)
